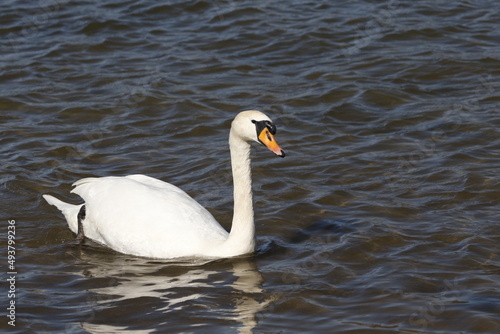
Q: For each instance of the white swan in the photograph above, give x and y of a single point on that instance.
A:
(143, 216)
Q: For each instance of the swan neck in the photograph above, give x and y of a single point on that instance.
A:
(242, 236)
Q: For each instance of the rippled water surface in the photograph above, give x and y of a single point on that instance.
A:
(383, 218)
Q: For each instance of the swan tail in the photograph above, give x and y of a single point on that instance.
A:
(70, 211)
(62, 206)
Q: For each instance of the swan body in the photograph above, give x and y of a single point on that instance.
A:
(144, 216)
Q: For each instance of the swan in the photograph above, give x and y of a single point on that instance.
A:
(143, 216)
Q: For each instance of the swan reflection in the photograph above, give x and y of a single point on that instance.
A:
(173, 296)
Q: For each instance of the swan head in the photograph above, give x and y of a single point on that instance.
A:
(253, 125)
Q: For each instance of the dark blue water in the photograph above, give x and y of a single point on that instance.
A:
(383, 217)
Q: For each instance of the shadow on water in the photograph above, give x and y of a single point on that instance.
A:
(326, 232)
(322, 227)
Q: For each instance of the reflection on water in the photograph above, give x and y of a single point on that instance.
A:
(165, 289)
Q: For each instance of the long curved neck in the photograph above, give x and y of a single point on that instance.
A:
(241, 239)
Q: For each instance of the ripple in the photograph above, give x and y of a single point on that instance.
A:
(382, 218)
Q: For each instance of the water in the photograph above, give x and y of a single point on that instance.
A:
(383, 217)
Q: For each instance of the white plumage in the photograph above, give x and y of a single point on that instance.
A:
(143, 216)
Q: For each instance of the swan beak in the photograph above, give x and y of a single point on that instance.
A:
(267, 138)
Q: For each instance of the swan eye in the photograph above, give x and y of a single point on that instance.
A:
(271, 127)
(261, 125)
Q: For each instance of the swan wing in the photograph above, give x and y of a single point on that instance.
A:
(143, 216)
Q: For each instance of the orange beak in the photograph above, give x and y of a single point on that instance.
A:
(267, 138)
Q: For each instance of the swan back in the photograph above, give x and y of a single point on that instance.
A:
(140, 215)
